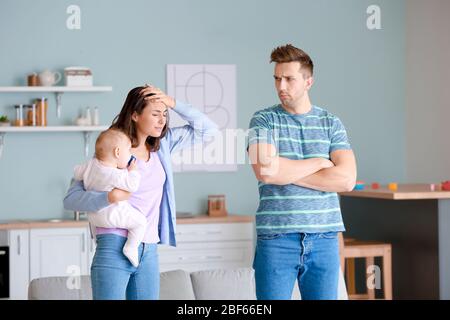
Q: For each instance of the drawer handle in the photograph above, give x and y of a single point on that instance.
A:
(83, 244)
(2, 253)
(198, 233)
(212, 257)
(186, 258)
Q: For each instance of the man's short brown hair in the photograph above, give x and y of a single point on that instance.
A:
(289, 53)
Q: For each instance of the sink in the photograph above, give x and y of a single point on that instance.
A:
(46, 220)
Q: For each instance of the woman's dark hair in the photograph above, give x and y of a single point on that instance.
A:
(135, 102)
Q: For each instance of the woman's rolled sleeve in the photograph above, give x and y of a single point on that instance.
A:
(78, 199)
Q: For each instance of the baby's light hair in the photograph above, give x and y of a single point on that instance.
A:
(107, 141)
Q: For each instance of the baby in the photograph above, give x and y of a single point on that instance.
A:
(114, 167)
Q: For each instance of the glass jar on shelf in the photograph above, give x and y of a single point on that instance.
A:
(30, 111)
(88, 116)
(96, 117)
(41, 111)
(19, 115)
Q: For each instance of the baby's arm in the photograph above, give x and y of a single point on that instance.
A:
(78, 171)
(127, 179)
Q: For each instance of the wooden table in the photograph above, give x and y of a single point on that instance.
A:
(416, 221)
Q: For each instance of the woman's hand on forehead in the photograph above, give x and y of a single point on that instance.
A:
(149, 89)
(158, 96)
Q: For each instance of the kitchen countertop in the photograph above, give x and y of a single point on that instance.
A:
(31, 224)
(404, 192)
(68, 223)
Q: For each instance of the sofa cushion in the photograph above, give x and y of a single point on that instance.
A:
(224, 284)
(60, 288)
(176, 285)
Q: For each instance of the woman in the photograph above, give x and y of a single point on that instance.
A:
(144, 118)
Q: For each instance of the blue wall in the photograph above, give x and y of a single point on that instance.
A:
(359, 77)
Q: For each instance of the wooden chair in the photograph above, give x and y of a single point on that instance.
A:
(350, 249)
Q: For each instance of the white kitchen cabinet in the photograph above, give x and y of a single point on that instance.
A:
(63, 251)
(91, 250)
(209, 246)
(18, 264)
(59, 252)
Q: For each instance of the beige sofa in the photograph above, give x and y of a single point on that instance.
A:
(218, 284)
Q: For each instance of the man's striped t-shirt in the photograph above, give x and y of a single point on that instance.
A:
(291, 208)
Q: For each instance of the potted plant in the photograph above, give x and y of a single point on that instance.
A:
(4, 122)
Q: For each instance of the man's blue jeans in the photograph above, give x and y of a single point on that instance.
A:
(310, 258)
(113, 277)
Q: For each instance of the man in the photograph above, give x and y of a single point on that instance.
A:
(301, 157)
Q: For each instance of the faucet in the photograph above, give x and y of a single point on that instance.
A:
(77, 215)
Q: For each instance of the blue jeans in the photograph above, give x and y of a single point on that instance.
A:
(113, 277)
(310, 258)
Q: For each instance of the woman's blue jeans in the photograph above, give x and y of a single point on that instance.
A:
(113, 277)
(310, 258)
